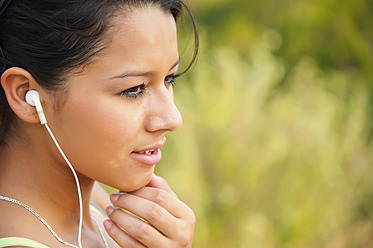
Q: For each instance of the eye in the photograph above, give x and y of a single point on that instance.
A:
(134, 92)
(170, 79)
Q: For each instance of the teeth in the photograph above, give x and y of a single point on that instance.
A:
(147, 152)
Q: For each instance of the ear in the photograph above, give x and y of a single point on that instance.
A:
(16, 82)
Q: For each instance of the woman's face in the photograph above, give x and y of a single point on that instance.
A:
(120, 106)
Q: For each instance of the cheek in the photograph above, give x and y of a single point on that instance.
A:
(104, 132)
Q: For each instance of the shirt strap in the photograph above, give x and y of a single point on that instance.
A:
(16, 241)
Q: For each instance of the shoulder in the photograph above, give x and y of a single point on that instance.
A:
(18, 222)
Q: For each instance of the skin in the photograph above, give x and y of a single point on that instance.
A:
(99, 128)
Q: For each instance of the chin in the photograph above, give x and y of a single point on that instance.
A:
(134, 184)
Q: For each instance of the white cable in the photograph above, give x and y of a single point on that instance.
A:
(77, 185)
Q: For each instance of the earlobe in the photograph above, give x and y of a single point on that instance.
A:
(16, 82)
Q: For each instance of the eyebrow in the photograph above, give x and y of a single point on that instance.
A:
(140, 74)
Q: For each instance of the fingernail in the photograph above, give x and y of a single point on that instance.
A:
(109, 210)
(114, 197)
(108, 224)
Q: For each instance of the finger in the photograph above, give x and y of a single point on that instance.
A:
(122, 238)
(150, 211)
(160, 183)
(139, 230)
(167, 201)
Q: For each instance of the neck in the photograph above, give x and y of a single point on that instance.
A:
(44, 184)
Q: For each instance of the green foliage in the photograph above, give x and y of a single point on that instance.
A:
(273, 151)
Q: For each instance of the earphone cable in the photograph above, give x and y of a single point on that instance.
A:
(77, 184)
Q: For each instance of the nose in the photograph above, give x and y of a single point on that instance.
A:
(163, 115)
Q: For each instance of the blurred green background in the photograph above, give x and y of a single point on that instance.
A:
(276, 145)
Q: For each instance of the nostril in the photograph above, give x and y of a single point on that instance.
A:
(164, 122)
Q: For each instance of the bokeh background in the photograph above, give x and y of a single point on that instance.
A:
(276, 145)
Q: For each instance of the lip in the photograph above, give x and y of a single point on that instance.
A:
(149, 159)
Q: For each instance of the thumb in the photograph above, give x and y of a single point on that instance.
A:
(160, 183)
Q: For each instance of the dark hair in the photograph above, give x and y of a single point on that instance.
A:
(50, 38)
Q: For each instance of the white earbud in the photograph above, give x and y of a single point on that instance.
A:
(32, 98)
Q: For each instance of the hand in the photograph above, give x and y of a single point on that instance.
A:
(166, 222)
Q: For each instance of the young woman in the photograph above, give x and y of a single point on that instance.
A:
(103, 71)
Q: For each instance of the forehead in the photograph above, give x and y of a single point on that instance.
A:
(138, 39)
(143, 31)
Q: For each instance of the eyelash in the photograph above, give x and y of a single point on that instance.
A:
(134, 92)
(139, 90)
(170, 79)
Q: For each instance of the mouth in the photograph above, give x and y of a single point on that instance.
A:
(148, 152)
(149, 156)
